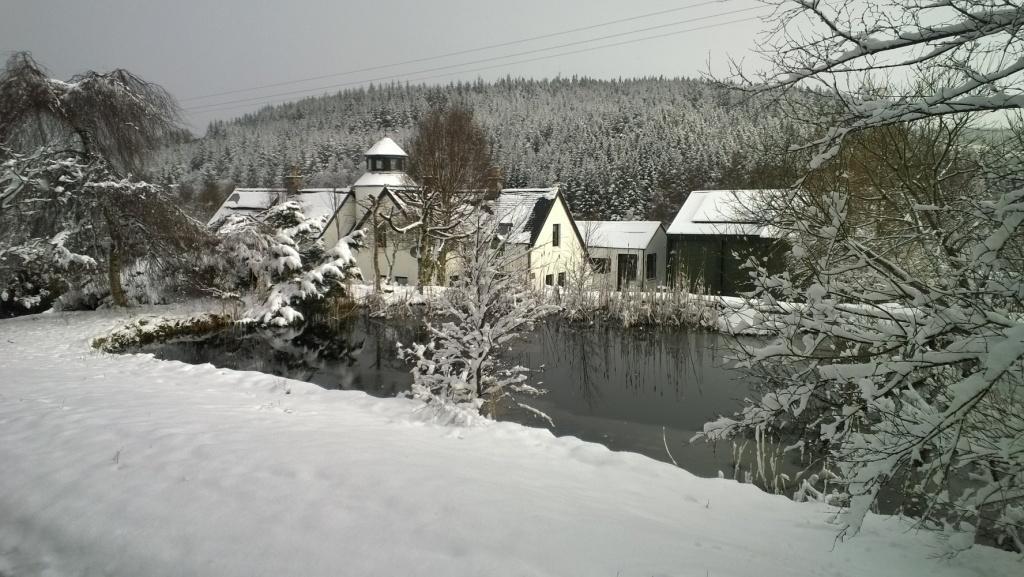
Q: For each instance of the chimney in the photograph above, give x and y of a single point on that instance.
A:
(292, 183)
(492, 183)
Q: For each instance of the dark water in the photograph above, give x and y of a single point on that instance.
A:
(622, 388)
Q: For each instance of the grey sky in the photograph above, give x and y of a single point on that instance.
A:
(196, 48)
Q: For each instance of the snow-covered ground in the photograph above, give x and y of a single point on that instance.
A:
(126, 465)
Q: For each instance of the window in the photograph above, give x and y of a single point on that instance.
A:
(556, 235)
(601, 265)
(402, 280)
(378, 164)
(652, 266)
(504, 228)
(549, 279)
(561, 279)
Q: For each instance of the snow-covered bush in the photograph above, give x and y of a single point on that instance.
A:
(278, 256)
(898, 356)
(484, 309)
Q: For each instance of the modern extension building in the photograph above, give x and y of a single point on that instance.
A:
(713, 234)
(626, 254)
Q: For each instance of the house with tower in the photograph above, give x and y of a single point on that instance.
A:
(535, 221)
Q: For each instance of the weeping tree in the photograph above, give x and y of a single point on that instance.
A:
(69, 151)
(114, 116)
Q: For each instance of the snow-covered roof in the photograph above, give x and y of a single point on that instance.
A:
(247, 201)
(523, 211)
(386, 147)
(321, 202)
(315, 202)
(621, 234)
(393, 180)
(721, 212)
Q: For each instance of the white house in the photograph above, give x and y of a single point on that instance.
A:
(537, 223)
(385, 175)
(342, 210)
(626, 254)
(713, 235)
(538, 220)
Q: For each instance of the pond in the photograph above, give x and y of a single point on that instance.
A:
(628, 389)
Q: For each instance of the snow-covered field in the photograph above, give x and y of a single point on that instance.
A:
(126, 465)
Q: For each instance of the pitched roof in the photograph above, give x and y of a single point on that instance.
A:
(523, 210)
(315, 202)
(246, 201)
(393, 180)
(721, 212)
(386, 147)
(321, 202)
(622, 234)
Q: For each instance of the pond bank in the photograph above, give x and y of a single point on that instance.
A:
(629, 389)
(125, 465)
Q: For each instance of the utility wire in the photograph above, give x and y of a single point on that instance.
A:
(480, 61)
(232, 106)
(456, 53)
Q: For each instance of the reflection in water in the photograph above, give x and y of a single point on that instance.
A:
(628, 388)
(622, 388)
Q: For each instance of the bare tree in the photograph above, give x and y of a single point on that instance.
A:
(899, 356)
(451, 157)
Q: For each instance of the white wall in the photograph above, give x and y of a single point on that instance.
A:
(546, 259)
(609, 281)
(342, 224)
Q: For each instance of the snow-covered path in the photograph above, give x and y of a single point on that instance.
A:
(126, 465)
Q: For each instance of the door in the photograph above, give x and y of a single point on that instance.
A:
(627, 267)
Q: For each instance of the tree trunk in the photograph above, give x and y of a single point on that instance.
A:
(114, 262)
(376, 253)
(442, 264)
(426, 260)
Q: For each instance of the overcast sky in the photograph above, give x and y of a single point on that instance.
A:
(196, 48)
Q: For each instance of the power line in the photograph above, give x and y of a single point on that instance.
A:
(456, 53)
(230, 106)
(470, 62)
(302, 91)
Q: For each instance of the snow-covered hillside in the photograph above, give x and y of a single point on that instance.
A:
(620, 149)
(126, 465)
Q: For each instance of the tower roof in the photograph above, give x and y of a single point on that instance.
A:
(386, 147)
